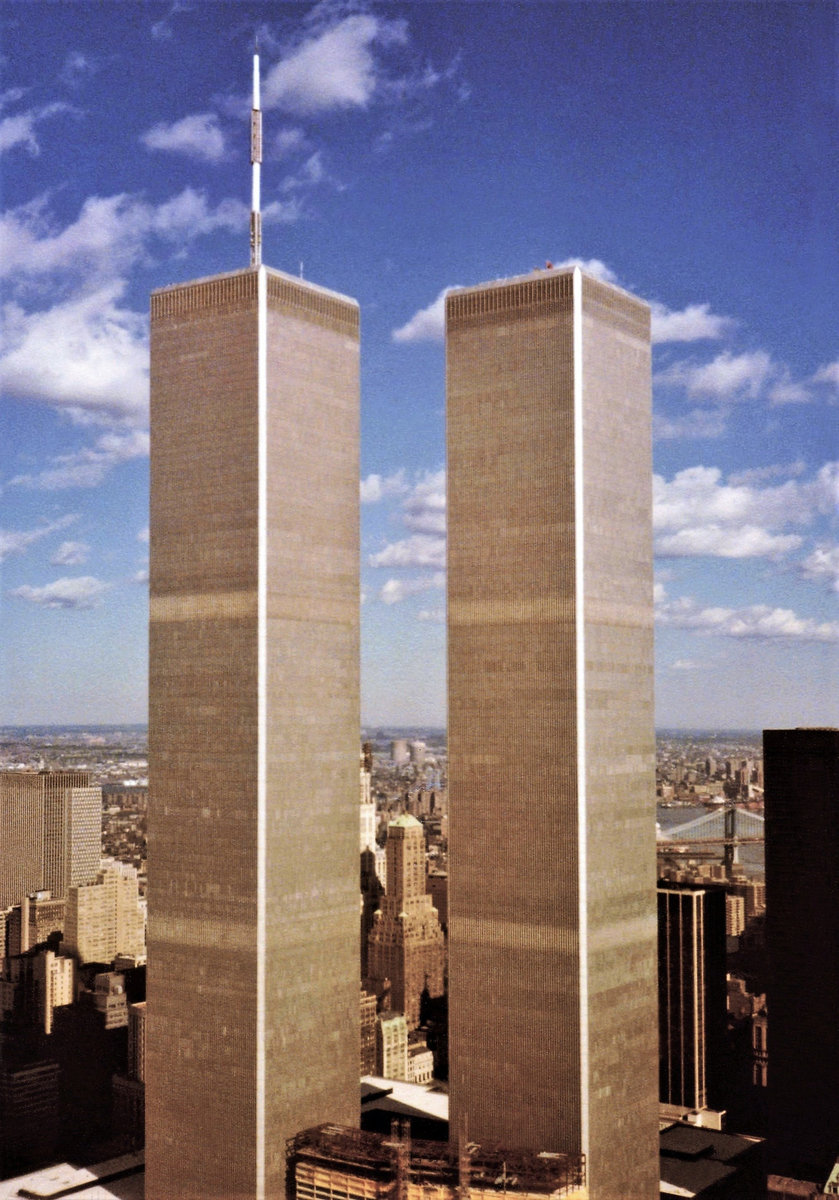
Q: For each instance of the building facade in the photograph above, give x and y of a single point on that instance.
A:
(691, 995)
(801, 768)
(106, 918)
(253, 975)
(52, 832)
(552, 920)
(406, 947)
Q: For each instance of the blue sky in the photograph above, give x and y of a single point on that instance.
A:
(686, 150)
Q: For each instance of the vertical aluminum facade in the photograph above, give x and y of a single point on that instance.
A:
(691, 995)
(801, 771)
(253, 728)
(552, 919)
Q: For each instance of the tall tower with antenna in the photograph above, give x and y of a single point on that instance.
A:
(253, 724)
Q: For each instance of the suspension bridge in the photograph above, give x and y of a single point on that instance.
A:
(729, 827)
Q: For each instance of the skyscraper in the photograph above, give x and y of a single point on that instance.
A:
(52, 832)
(253, 976)
(552, 919)
(801, 771)
(406, 945)
(691, 994)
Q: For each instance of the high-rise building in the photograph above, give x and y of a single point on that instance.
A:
(52, 832)
(552, 918)
(253, 976)
(106, 918)
(801, 770)
(691, 995)
(406, 947)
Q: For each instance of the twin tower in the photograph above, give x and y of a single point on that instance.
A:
(253, 986)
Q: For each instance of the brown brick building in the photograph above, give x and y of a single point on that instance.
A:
(406, 945)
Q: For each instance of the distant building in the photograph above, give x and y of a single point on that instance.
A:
(106, 918)
(137, 1040)
(110, 1000)
(706, 1164)
(34, 984)
(29, 1114)
(52, 832)
(399, 752)
(552, 924)
(33, 921)
(692, 995)
(801, 769)
(368, 1032)
(735, 914)
(420, 1063)
(368, 804)
(392, 1046)
(406, 945)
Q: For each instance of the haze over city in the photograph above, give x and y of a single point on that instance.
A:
(685, 151)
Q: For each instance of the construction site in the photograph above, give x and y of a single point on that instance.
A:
(334, 1162)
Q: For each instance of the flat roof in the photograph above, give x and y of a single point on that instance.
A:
(95, 1182)
(299, 280)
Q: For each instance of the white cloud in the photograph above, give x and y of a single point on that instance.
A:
(436, 615)
(143, 535)
(822, 566)
(197, 136)
(141, 576)
(711, 540)
(756, 622)
(754, 475)
(427, 325)
(70, 554)
(685, 664)
(691, 324)
(425, 506)
(333, 69)
(14, 541)
(728, 377)
(698, 423)
(697, 514)
(89, 466)
(19, 130)
(77, 66)
(697, 495)
(394, 591)
(829, 373)
(310, 174)
(287, 141)
(88, 355)
(419, 550)
(82, 592)
(113, 233)
(375, 487)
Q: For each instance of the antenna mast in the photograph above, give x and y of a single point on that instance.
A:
(256, 159)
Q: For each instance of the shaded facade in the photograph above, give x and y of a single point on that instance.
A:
(691, 995)
(802, 948)
(552, 919)
(253, 977)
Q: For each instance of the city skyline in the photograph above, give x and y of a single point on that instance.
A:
(687, 158)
